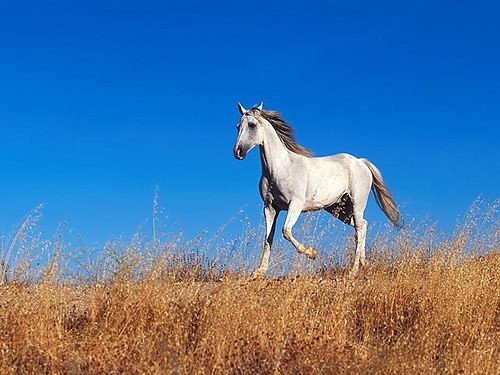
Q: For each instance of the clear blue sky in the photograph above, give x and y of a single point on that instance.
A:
(101, 101)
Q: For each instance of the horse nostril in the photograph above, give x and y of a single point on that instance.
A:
(237, 153)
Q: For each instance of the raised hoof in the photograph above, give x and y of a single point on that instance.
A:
(311, 252)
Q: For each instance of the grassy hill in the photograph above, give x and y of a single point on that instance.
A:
(428, 306)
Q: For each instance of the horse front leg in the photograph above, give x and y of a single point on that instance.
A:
(270, 215)
(294, 211)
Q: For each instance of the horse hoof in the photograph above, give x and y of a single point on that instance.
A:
(311, 252)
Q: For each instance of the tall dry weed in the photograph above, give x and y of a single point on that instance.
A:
(427, 303)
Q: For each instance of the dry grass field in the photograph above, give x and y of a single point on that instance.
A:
(420, 307)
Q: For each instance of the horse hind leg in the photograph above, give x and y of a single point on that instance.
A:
(345, 211)
(359, 257)
(360, 225)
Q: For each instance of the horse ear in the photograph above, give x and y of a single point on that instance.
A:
(260, 106)
(241, 108)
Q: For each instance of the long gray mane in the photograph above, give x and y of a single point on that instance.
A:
(284, 131)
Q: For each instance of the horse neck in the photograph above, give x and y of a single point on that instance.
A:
(275, 157)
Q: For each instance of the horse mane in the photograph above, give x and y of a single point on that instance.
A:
(284, 131)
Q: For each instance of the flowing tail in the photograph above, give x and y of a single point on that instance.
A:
(383, 196)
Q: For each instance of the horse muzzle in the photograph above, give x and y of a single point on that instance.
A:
(239, 153)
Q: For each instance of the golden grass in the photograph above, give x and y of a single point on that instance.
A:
(410, 312)
(416, 318)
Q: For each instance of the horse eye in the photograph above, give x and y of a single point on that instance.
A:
(251, 125)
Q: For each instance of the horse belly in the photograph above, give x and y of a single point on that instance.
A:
(326, 188)
(320, 198)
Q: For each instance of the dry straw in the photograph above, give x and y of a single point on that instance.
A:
(427, 303)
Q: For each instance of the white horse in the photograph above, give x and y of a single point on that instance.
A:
(294, 181)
